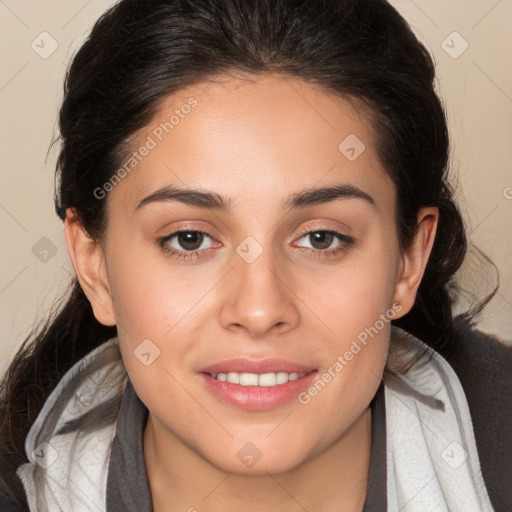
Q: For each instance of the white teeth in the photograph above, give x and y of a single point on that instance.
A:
(233, 377)
(281, 378)
(266, 379)
(248, 379)
(254, 379)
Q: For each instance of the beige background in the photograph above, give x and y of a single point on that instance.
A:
(476, 88)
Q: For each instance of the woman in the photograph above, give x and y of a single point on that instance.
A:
(256, 203)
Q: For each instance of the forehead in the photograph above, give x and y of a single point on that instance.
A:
(256, 137)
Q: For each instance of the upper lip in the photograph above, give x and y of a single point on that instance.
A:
(259, 366)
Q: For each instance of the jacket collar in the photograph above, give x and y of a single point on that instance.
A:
(432, 460)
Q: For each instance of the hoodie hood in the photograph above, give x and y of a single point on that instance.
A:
(68, 444)
(432, 459)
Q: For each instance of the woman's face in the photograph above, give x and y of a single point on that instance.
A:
(278, 165)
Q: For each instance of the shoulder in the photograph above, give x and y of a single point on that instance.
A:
(483, 364)
(7, 505)
(470, 341)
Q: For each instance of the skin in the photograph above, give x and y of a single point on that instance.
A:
(255, 141)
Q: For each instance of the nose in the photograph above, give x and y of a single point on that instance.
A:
(259, 298)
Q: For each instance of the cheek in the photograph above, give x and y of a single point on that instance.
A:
(353, 353)
(354, 303)
(152, 295)
(157, 305)
(351, 295)
(155, 333)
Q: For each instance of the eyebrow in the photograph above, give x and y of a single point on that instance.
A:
(215, 201)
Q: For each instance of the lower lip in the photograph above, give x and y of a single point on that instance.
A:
(257, 398)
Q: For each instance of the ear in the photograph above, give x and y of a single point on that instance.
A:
(414, 259)
(90, 266)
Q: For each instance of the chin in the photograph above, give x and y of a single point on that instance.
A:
(250, 461)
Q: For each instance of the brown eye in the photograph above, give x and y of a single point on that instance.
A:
(190, 240)
(185, 243)
(325, 243)
(321, 239)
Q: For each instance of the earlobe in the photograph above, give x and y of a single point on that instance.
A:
(90, 266)
(415, 258)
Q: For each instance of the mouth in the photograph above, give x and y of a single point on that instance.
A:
(245, 365)
(256, 392)
(254, 379)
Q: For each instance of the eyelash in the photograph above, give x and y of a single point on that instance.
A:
(188, 255)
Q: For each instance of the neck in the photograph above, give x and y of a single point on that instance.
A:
(334, 479)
